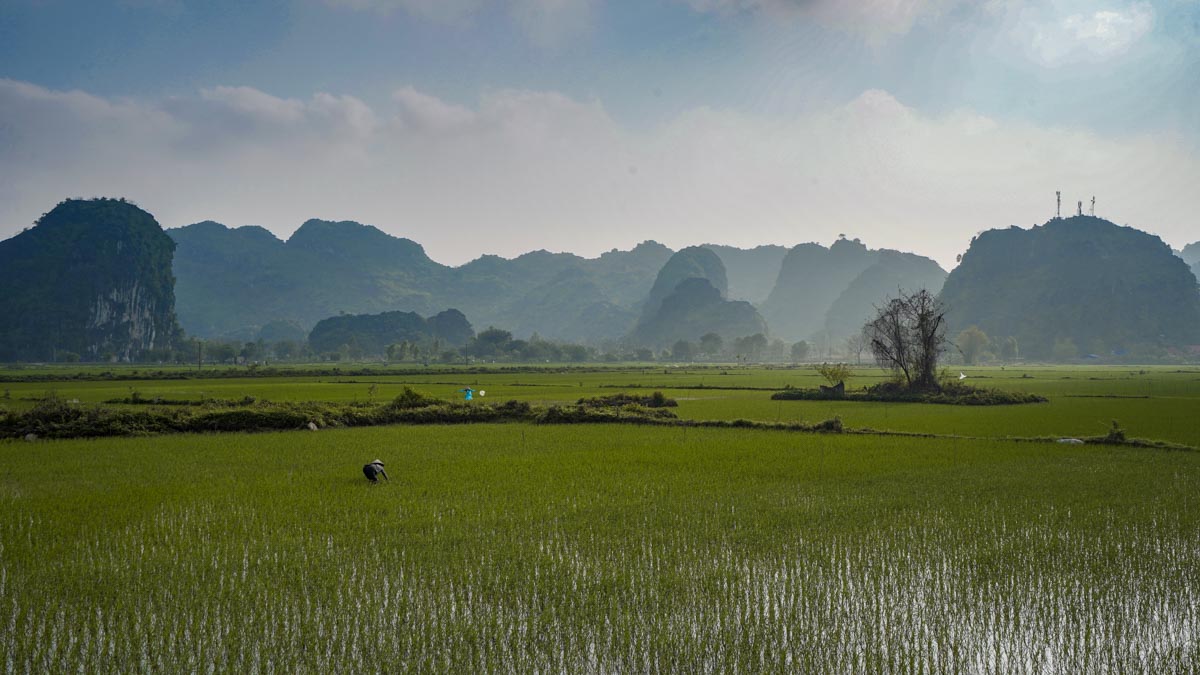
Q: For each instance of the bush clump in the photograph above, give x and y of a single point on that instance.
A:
(893, 392)
(580, 414)
(409, 399)
(655, 400)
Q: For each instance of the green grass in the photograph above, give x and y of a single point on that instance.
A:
(518, 547)
(522, 547)
(1162, 402)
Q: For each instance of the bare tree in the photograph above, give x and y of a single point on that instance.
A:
(908, 336)
(856, 344)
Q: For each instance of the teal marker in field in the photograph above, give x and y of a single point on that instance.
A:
(469, 393)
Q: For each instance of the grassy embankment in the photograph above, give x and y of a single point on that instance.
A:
(1150, 402)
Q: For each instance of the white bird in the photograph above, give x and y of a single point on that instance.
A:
(962, 376)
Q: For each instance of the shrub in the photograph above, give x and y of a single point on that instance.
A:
(408, 399)
(834, 372)
(895, 392)
(834, 425)
(249, 419)
(1116, 434)
(655, 400)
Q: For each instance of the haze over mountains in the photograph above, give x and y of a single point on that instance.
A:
(1191, 255)
(1081, 284)
(833, 290)
(326, 268)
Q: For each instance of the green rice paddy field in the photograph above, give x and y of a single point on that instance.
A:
(581, 548)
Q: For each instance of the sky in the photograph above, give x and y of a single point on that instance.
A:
(503, 126)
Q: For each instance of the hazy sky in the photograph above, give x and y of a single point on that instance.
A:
(500, 126)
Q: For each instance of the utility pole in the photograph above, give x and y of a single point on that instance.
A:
(1081, 208)
(1058, 208)
(1093, 206)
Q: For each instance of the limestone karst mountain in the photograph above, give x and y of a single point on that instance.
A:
(235, 281)
(751, 272)
(1075, 286)
(693, 262)
(891, 273)
(92, 280)
(696, 308)
(1191, 255)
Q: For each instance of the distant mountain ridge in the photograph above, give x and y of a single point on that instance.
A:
(1081, 283)
(231, 278)
(832, 291)
(230, 281)
(751, 272)
(1191, 255)
(326, 268)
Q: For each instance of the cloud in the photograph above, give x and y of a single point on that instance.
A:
(1054, 35)
(519, 170)
(426, 112)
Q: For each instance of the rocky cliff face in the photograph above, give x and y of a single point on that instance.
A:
(93, 279)
(123, 322)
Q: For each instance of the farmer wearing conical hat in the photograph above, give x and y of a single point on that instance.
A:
(375, 469)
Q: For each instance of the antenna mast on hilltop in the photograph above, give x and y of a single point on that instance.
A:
(1058, 209)
(1093, 206)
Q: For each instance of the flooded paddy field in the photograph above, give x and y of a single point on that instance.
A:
(1155, 402)
(525, 548)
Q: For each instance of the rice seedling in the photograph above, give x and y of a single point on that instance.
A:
(520, 548)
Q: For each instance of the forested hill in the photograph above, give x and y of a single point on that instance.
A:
(1075, 286)
(374, 333)
(234, 281)
(92, 279)
(231, 279)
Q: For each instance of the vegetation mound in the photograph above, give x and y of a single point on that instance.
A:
(655, 400)
(891, 392)
(56, 417)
